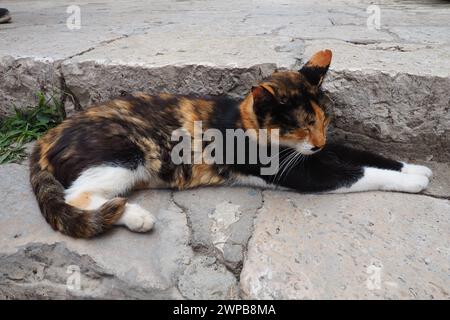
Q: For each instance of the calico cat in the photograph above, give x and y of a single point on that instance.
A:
(81, 169)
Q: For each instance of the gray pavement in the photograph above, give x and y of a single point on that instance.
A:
(230, 243)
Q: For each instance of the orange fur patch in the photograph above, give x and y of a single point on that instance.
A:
(321, 59)
(195, 110)
(82, 201)
(268, 88)
(248, 116)
(141, 185)
(46, 143)
(203, 174)
(142, 95)
(318, 136)
(295, 136)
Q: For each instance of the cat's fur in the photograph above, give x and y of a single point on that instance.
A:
(80, 169)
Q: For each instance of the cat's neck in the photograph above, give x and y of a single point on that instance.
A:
(226, 114)
(247, 116)
(230, 114)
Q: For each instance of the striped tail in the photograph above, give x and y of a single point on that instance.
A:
(64, 217)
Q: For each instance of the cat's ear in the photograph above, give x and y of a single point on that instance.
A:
(316, 68)
(262, 93)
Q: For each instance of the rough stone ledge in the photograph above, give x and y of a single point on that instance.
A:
(409, 117)
(49, 271)
(388, 88)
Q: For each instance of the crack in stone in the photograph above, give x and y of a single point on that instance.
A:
(199, 250)
(435, 196)
(99, 45)
(245, 246)
(68, 93)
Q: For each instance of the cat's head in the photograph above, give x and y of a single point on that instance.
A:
(290, 102)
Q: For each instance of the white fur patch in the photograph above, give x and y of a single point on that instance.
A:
(416, 169)
(305, 148)
(107, 181)
(136, 218)
(387, 180)
(251, 181)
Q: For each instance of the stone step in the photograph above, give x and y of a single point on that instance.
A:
(301, 246)
(387, 87)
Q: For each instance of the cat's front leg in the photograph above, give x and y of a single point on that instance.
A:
(377, 172)
(416, 169)
(412, 181)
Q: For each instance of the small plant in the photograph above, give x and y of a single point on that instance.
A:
(28, 125)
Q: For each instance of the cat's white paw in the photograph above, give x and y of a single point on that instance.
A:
(416, 169)
(413, 183)
(137, 219)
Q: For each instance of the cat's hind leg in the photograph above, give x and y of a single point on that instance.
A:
(97, 185)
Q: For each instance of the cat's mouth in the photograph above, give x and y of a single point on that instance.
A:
(306, 148)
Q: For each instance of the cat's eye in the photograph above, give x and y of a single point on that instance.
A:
(312, 122)
(283, 100)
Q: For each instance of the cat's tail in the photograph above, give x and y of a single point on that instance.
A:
(61, 215)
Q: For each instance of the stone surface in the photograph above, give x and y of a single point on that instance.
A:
(387, 86)
(139, 265)
(87, 80)
(50, 271)
(409, 117)
(205, 279)
(356, 246)
(440, 182)
(221, 221)
(301, 246)
(22, 78)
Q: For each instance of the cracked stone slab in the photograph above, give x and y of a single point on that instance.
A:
(204, 278)
(221, 220)
(105, 20)
(50, 271)
(34, 260)
(371, 245)
(118, 264)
